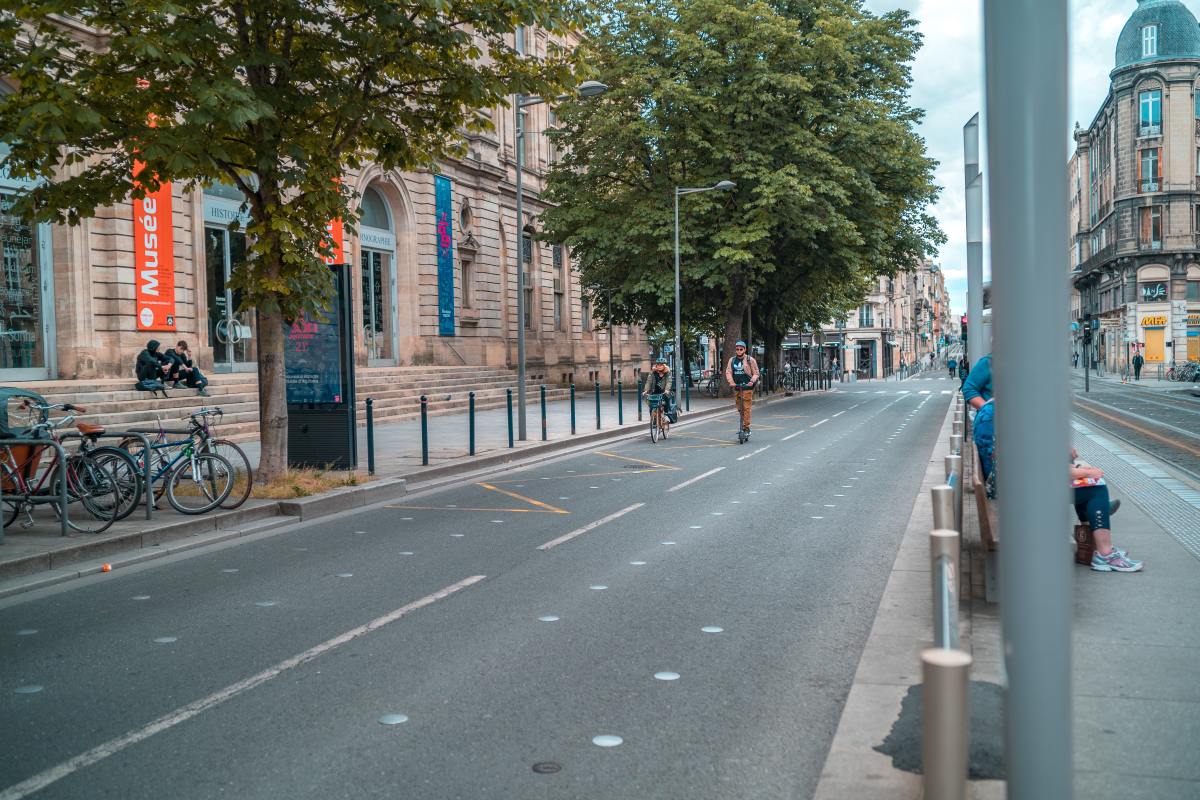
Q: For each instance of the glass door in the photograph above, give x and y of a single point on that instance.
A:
(378, 307)
(26, 296)
(230, 332)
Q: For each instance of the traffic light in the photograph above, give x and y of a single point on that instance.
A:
(1087, 328)
(963, 321)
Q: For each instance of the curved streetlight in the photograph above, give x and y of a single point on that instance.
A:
(587, 89)
(722, 186)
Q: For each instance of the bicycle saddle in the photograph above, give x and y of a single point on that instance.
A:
(89, 430)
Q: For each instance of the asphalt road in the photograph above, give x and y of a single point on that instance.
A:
(1167, 424)
(262, 669)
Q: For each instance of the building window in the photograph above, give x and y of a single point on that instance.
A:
(468, 283)
(1150, 105)
(520, 37)
(1149, 41)
(1151, 227)
(558, 311)
(1149, 169)
(551, 147)
(864, 317)
(585, 315)
(1193, 290)
(528, 303)
(527, 248)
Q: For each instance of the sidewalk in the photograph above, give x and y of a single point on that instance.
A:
(1149, 382)
(1135, 642)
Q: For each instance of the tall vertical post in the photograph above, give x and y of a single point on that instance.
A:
(1026, 88)
(545, 431)
(370, 436)
(519, 129)
(620, 404)
(597, 404)
(424, 431)
(508, 397)
(612, 371)
(973, 179)
(677, 337)
(471, 420)
(572, 409)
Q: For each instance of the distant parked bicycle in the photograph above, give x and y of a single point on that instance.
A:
(710, 385)
(1187, 371)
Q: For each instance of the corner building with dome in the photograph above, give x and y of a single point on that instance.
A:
(1135, 197)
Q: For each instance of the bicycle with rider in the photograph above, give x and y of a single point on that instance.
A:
(658, 382)
(741, 373)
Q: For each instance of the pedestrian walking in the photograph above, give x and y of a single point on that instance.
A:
(1075, 360)
(1138, 363)
(952, 365)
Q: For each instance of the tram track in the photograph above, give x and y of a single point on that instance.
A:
(1134, 429)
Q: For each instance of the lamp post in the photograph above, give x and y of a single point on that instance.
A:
(612, 372)
(679, 192)
(586, 89)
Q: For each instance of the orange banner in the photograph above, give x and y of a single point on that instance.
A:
(337, 242)
(154, 259)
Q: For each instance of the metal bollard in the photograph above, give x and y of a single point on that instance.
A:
(424, 431)
(508, 393)
(945, 731)
(943, 569)
(639, 402)
(597, 405)
(370, 436)
(943, 506)
(956, 427)
(956, 444)
(620, 404)
(954, 469)
(543, 393)
(687, 398)
(471, 419)
(572, 409)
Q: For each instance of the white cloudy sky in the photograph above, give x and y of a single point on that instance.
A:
(948, 81)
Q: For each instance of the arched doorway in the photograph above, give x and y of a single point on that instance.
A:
(27, 295)
(377, 257)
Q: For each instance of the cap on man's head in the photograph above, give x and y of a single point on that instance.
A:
(739, 343)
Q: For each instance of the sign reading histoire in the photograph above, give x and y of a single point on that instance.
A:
(154, 258)
(445, 255)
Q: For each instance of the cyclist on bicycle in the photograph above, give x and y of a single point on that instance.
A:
(659, 382)
(741, 373)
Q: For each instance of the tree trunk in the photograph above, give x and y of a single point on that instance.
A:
(272, 398)
(771, 339)
(734, 318)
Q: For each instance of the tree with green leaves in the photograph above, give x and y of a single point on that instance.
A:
(280, 98)
(802, 103)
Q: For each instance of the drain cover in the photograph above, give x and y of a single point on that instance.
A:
(547, 767)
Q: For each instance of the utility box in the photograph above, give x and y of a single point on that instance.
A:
(319, 366)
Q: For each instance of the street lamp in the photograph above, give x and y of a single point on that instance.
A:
(587, 89)
(680, 191)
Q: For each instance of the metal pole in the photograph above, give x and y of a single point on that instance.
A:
(470, 421)
(1026, 89)
(597, 405)
(620, 404)
(945, 733)
(954, 477)
(956, 444)
(543, 393)
(676, 339)
(943, 506)
(943, 569)
(974, 200)
(508, 395)
(639, 402)
(371, 436)
(612, 371)
(519, 138)
(572, 409)
(424, 431)
(687, 397)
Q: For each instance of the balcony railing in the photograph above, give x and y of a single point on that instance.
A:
(1150, 130)
(1149, 244)
(1150, 185)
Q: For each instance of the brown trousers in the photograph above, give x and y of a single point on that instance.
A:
(744, 400)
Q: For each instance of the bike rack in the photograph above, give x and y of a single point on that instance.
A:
(62, 478)
(146, 466)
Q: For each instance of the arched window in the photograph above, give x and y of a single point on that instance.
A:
(374, 212)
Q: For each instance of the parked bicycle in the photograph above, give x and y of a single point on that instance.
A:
(1187, 371)
(92, 495)
(195, 477)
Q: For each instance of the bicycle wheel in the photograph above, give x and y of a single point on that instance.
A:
(128, 474)
(92, 494)
(243, 473)
(160, 459)
(653, 427)
(12, 501)
(200, 483)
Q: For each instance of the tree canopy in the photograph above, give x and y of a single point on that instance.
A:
(802, 103)
(281, 98)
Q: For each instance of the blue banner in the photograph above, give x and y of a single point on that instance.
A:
(445, 255)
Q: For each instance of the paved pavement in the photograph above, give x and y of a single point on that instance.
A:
(510, 622)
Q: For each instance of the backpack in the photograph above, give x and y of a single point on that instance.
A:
(151, 385)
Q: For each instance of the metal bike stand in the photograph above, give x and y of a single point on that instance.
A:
(62, 475)
(146, 466)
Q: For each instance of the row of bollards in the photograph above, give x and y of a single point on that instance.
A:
(945, 717)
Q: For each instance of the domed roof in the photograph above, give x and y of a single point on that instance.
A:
(1178, 34)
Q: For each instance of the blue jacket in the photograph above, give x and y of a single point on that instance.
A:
(979, 380)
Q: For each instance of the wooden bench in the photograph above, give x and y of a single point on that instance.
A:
(989, 533)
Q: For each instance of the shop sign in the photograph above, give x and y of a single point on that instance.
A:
(1156, 321)
(1193, 320)
(154, 258)
(376, 239)
(1153, 291)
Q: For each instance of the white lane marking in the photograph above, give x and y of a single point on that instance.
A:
(838, 414)
(756, 452)
(822, 422)
(690, 481)
(791, 436)
(183, 714)
(566, 537)
(923, 391)
(947, 391)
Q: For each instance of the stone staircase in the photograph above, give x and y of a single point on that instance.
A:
(396, 392)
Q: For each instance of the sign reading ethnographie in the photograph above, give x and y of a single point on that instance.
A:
(445, 255)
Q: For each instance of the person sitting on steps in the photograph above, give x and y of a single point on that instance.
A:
(183, 370)
(151, 368)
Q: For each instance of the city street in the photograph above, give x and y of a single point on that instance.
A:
(681, 619)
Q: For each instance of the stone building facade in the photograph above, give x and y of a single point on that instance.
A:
(1135, 196)
(68, 305)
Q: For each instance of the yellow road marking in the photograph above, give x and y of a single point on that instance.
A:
(636, 460)
(580, 475)
(693, 447)
(705, 438)
(490, 510)
(524, 499)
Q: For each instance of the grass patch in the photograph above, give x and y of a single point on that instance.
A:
(307, 482)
